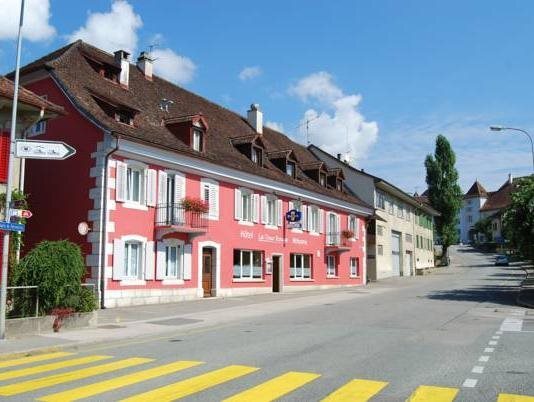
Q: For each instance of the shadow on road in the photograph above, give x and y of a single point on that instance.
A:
(483, 294)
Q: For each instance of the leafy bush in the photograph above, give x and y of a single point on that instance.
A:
(194, 205)
(57, 267)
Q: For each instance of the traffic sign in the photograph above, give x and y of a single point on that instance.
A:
(21, 213)
(12, 227)
(31, 149)
(293, 216)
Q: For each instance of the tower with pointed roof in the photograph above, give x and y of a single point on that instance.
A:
(473, 200)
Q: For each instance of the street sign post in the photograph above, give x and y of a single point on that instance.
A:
(31, 149)
(12, 227)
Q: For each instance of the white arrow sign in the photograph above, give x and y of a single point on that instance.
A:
(43, 150)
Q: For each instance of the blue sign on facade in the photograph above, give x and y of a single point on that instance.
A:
(12, 227)
(293, 216)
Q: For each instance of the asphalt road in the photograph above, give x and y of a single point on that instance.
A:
(457, 329)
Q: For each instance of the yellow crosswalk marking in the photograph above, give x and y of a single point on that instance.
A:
(356, 391)
(33, 359)
(426, 393)
(193, 385)
(32, 385)
(275, 388)
(515, 398)
(8, 375)
(119, 382)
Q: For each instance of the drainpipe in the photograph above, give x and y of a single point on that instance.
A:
(103, 225)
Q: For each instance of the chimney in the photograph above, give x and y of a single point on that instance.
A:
(339, 156)
(510, 178)
(255, 118)
(121, 59)
(145, 64)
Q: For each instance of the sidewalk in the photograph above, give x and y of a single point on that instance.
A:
(145, 321)
(526, 292)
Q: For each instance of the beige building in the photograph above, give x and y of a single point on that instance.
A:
(400, 238)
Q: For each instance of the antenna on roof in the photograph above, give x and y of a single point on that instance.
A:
(164, 104)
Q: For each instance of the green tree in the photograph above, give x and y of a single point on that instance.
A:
(444, 192)
(484, 226)
(518, 218)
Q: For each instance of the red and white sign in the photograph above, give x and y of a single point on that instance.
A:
(21, 213)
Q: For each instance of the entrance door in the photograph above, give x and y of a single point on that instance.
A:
(408, 263)
(207, 271)
(395, 254)
(276, 273)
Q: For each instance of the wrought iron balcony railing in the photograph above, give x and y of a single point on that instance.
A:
(177, 215)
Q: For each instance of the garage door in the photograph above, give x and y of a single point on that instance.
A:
(395, 254)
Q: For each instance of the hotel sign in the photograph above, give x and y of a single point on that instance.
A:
(268, 238)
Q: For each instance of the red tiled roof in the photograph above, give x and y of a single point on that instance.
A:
(476, 190)
(7, 88)
(72, 69)
(499, 199)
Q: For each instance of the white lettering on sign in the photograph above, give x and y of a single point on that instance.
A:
(247, 235)
(300, 241)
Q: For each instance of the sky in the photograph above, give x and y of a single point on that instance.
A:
(377, 79)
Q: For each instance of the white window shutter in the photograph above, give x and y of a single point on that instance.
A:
(188, 249)
(238, 211)
(328, 226)
(263, 209)
(304, 217)
(356, 228)
(162, 188)
(256, 208)
(118, 259)
(214, 200)
(279, 212)
(179, 187)
(143, 187)
(338, 228)
(321, 221)
(149, 260)
(120, 181)
(160, 260)
(151, 188)
(309, 212)
(290, 206)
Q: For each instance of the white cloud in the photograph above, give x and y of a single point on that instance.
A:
(111, 31)
(338, 127)
(172, 66)
(275, 126)
(249, 73)
(36, 25)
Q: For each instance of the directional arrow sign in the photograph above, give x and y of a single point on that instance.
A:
(21, 213)
(43, 150)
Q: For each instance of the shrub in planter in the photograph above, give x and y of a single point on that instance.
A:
(57, 267)
(347, 234)
(194, 205)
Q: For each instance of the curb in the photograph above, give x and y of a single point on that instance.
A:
(523, 289)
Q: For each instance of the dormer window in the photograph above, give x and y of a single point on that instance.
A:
(198, 140)
(124, 117)
(339, 185)
(290, 169)
(322, 179)
(256, 156)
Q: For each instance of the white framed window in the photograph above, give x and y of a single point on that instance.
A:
(313, 219)
(248, 264)
(290, 169)
(246, 206)
(390, 206)
(256, 156)
(331, 267)
(271, 211)
(380, 200)
(352, 225)
(173, 260)
(322, 179)
(379, 230)
(354, 267)
(300, 266)
(380, 249)
(209, 193)
(333, 235)
(133, 259)
(134, 184)
(197, 140)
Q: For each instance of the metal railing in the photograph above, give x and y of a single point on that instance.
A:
(177, 215)
(336, 239)
(22, 301)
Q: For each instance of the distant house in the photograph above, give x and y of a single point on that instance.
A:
(400, 235)
(495, 206)
(469, 213)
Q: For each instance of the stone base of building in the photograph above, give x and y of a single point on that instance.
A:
(137, 297)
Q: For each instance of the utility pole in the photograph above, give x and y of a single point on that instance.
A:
(5, 255)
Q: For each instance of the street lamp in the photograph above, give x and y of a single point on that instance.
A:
(501, 128)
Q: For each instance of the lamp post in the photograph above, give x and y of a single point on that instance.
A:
(501, 128)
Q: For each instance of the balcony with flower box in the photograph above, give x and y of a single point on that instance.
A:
(338, 242)
(188, 216)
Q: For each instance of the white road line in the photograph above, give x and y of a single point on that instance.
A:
(478, 369)
(483, 358)
(512, 324)
(492, 343)
(495, 337)
(489, 350)
(470, 383)
(498, 333)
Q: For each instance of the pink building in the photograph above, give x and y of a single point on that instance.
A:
(159, 151)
